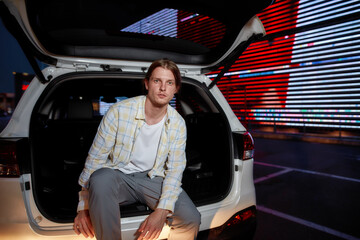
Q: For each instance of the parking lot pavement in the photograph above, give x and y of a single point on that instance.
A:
(307, 190)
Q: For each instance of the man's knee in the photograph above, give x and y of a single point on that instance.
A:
(185, 226)
(194, 219)
(189, 217)
(187, 210)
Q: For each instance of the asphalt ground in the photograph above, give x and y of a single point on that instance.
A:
(307, 190)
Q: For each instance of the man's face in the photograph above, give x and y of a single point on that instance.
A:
(161, 87)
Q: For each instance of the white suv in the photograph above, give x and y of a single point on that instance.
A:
(97, 53)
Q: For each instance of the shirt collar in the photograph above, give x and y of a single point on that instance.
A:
(140, 115)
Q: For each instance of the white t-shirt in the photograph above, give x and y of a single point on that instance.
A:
(145, 148)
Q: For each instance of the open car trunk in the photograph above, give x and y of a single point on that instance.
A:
(65, 120)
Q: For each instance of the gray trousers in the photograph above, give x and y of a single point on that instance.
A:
(110, 188)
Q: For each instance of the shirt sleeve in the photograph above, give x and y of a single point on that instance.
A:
(102, 146)
(83, 200)
(175, 166)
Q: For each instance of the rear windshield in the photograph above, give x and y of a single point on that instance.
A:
(174, 23)
(193, 32)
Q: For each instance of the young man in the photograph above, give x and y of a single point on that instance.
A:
(138, 155)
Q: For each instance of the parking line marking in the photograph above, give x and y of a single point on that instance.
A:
(306, 223)
(260, 179)
(309, 171)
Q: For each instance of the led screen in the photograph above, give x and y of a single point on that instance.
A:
(305, 72)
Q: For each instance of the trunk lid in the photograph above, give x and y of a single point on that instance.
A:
(198, 35)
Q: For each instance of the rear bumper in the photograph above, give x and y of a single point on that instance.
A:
(12, 206)
(14, 222)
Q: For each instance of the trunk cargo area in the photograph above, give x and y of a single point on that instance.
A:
(65, 121)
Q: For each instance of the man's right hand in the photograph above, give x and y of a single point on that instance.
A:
(83, 225)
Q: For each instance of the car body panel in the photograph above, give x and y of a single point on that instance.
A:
(211, 216)
(28, 219)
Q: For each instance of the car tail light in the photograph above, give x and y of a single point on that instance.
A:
(244, 145)
(249, 147)
(12, 152)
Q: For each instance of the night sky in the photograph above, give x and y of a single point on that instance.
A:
(12, 59)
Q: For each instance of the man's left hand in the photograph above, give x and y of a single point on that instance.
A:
(151, 228)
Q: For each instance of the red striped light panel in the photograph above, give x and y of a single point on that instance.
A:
(305, 73)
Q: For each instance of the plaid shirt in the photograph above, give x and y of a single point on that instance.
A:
(114, 141)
